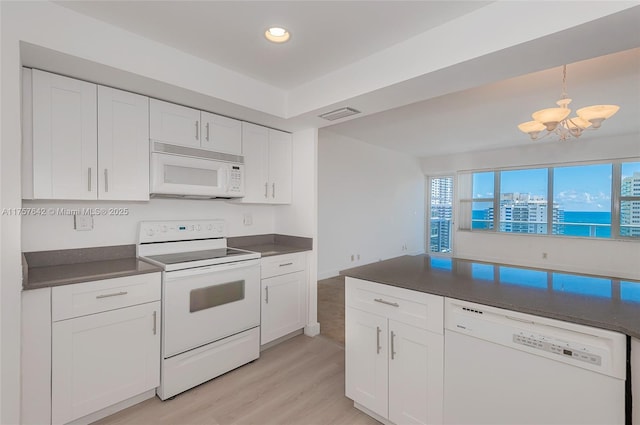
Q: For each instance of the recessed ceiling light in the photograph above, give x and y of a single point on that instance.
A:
(277, 34)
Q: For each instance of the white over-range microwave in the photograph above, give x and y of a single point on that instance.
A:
(180, 171)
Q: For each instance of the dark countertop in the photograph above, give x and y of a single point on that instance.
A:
(271, 244)
(602, 302)
(54, 268)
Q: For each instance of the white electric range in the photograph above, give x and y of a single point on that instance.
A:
(210, 301)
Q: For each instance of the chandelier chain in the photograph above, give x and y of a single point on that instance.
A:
(564, 82)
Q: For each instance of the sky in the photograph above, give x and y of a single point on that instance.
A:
(576, 188)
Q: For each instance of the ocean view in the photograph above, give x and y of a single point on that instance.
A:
(588, 223)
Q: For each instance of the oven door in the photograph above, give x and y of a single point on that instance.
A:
(205, 304)
(189, 176)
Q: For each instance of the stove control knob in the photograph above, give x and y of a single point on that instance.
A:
(210, 226)
(164, 229)
(149, 232)
(198, 227)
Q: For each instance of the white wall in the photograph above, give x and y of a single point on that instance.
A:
(596, 256)
(370, 202)
(42, 233)
(301, 217)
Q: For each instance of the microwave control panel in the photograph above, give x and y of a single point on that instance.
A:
(235, 179)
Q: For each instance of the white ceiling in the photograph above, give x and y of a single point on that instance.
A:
(486, 117)
(457, 96)
(326, 35)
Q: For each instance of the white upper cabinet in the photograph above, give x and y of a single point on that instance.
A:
(83, 141)
(123, 145)
(175, 124)
(255, 146)
(268, 165)
(179, 125)
(280, 166)
(221, 134)
(64, 149)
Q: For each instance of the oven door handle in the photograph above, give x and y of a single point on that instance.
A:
(175, 274)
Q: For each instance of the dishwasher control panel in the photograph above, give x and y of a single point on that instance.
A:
(560, 348)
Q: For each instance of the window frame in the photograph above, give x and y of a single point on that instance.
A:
(454, 203)
(616, 198)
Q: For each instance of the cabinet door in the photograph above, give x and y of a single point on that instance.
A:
(280, 167)
(255, 148)
(221, 134)
(283, 305)
(416, 371)
(366, 370)
(64, 138)
(102, 359)
(174, 124)
(123, 145)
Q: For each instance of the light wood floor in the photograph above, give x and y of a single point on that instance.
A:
(298, 382)
(331, 308)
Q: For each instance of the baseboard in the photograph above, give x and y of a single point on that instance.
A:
(115, 408)
(281, 339)
(372, 414)
(312, 329)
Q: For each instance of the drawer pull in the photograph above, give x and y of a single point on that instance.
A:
(380, 300)
(115, 294)
(266, 296)
(155, 316)
(378, 346)
(286, 264)
(393, 349)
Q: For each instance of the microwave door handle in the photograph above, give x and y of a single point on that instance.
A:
(228, 182)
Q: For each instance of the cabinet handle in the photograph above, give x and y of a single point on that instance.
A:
(274, 190)
(106, 180)
(380, 300)
(197, 130)
(207, 132)
(115, 294)
(89, 181)
(393, 351)
(155, 315)
(285, 264)
(266, 189)
(378, 346)
(266, 297)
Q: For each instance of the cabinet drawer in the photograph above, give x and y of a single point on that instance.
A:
(415, 308)
(103, 295)
(283, 264)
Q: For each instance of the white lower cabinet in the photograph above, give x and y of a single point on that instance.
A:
(394, 352)
(101, 359)
(284, 296)
(89, 349)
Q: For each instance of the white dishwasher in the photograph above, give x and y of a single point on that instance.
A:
(504, 367)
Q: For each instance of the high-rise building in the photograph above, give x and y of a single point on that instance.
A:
(441, 212)
(525, 213)
(630, 210)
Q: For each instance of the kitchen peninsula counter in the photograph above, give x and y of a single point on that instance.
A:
(602, 302)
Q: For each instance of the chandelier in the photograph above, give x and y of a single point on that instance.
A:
(557, 120)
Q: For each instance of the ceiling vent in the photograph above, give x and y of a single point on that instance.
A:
(339, 113)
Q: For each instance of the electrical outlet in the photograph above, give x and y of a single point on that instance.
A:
(352, 257)
(358, 257)
(247, 219)
(544, 255)
(83, 222)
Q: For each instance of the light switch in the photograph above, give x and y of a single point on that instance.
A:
(248, 219)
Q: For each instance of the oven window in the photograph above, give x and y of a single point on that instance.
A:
(175, 174)
(216, 295)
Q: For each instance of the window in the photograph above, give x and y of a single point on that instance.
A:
(594, 200)
(441, 214)
(523, 201)
(582, 198)
(630, 199)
